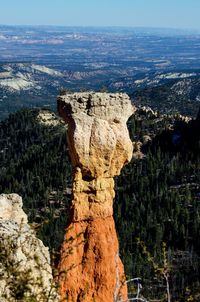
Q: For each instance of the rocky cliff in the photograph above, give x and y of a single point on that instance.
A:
(99, 145)
(25, 271)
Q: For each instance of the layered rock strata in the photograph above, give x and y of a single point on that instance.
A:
(99, 145)
(25, 271)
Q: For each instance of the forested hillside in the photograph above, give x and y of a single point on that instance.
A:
(180, 95)
(35, 164)
(158, 201)
(157, 197)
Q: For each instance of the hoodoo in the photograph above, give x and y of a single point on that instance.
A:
(99, 145)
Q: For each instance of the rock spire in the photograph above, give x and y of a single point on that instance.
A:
(99, 146)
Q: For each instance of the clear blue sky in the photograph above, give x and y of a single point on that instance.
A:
(153, 13)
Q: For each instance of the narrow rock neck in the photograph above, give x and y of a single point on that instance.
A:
(92, 198)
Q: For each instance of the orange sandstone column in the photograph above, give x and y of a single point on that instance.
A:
(99, 144)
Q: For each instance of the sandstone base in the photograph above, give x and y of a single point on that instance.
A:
(90, 267)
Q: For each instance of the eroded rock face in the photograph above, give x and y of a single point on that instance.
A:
(25, 271)
(11, 208)
(99, 146)
(90, 260)
(97, 134)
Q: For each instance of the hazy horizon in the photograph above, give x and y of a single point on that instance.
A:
(171, 14)
(151, 29)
